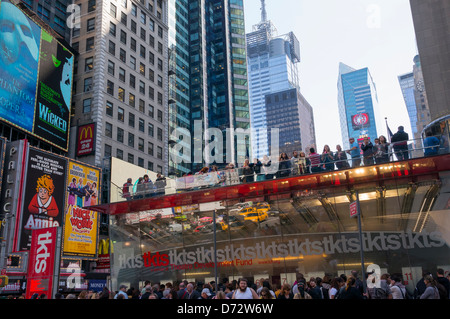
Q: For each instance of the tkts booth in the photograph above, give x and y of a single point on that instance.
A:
(47, 235)
(276, 229)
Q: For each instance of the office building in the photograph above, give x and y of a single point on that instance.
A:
(208, 83)
(120, 86)
(272, 62)
(358, 105)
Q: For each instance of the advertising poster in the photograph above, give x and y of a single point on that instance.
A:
(81, 225)
(19, 55)
(2, 158)
(52, 112)
(85, 140)
(41, 265)
(44, 196)
(36, 73)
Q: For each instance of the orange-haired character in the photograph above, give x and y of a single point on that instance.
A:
(43, 202)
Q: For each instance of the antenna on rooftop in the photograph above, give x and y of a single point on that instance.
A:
(263, 11)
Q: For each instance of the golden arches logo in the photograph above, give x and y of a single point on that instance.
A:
(103, 247)
(87, 131)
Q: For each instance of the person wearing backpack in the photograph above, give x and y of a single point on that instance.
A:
(397, 288)
(383, 290)
(431, 291)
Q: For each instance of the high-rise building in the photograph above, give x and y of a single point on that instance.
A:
(120, 82)
(407, 85)
(432, 27)
(272, 62)
(421, 99)
(358, 105)
(208, 83)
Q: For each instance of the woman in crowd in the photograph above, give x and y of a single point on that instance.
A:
(284, 165)
(327, 159)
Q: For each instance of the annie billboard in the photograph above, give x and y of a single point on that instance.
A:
(36, 74)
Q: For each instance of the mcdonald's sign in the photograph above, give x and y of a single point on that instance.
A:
(86, 140)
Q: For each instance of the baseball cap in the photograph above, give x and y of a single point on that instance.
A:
(206, 291)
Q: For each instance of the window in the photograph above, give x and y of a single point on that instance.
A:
(108, 150)
(142, 87)
(110, 87)
(143, 18)
(87, 105)
(120, 135)
(160, 98)
(121, 74)
(112, 10)
(130, 139)
(109, 109)
(150, 148)
(124, 3)
(112, 29)
(108, 129)
(133, 62)
(141, 144)
(140, 162)
(132, 81)
(160, 47)
(150, 165)
(123, 18)
(142, 51)
(131, 100)
(90, 44)
(123, 37)
(152, 41)
(142, 69)
(133, 44)
(151, 75)
(123, 56)
(151, 58)
(159, 152)
(87, 85)
(151, 92)
(152, 24)
(88, 64)
(120, 114)
(121, 95)
(133, 26)
(160, 32)
(119, 154)
(151, 111)
(160, 64)
(141, 106)
(143, 34)
(131, 119)
(133, 9)
(160, 134)
(91, 5)
(160, 116)
(160, 81)
(112, 48)
(141, 125)
(90, 24)
(130, 158)
(151, 130)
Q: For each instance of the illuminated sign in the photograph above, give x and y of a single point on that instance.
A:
(360, 120)
(85, 140)
(36, 73)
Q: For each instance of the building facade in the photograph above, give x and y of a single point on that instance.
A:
(120, 82)
(358, 105)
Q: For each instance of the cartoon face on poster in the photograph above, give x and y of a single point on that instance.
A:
(81, 225)
(44, 194)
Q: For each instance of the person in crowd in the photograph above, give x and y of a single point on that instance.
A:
(267, 162)
(295, 163)
(336, 284)
(286, 292)
(122, 293)
(367, 148)
(304, 164)
(302, 290)
(284, 166)
(431, 144)
(384, 146)
(400, 144)
(327, 159)
(315, 161)
(266, 284)
(160, 185)
(443, 281)
(257, 168)
(248, 172)
(243, 291)
(314, 289)
(325, 286)
(354, 152)
(265, 293)
(380, 291)
(350, 291)
(149, 188)
(398, 290)
(358, 282)
(340, 158)
(431, 291)
(140, 188)
(220, 295)
(206, 294)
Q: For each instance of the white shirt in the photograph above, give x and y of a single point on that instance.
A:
(243, 295)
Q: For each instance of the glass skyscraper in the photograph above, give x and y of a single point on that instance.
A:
(407, 85)
(208, 82)
(358, 105)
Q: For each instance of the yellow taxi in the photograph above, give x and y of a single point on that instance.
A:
(254, 215)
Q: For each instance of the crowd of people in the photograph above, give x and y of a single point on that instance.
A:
(430, 286)
(145, 187)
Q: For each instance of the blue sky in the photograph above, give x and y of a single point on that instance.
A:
(378, 34)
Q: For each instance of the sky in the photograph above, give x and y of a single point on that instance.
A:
(378, 34)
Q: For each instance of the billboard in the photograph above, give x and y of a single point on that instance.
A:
(360, 120)
(41, 265)
(86, 140)
(44, 195)
(36, 73)
(81, 225)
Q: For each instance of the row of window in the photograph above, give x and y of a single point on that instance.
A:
(130, 158)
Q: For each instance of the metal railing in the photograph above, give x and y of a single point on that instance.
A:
(282, 169)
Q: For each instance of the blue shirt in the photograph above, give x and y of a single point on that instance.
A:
(431, 141)
(125, 296)
(356, 152)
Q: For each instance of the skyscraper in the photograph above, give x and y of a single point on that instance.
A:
(407, 85)
(208, 84)
(273, 68)
(358, 105)
(120, 82)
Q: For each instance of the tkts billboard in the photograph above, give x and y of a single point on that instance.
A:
(36, 74)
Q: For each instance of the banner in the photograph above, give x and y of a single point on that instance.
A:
(86, 140)
(44, 196)
(41, 262)
(81, 225)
